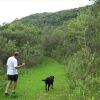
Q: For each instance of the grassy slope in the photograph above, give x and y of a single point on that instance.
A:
(30, 86)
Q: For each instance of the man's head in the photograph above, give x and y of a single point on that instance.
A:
(16, 54)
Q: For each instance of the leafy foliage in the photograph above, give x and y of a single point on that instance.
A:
(72, 37)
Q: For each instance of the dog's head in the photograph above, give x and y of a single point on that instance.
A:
(52, 77)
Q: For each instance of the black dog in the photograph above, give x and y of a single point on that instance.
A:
(49, 82)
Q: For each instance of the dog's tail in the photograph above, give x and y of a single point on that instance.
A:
(43, 80)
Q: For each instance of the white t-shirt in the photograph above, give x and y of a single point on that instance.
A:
(11, 64)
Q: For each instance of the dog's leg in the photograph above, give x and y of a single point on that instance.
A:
(45, 86)
(48, 86)
(52, 85)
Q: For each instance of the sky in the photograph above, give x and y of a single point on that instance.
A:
(12, 9)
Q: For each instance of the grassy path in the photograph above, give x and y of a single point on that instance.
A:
(30, 86)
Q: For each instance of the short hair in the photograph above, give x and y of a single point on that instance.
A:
(16, 53)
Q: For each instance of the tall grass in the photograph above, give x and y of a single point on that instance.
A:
(31, 87)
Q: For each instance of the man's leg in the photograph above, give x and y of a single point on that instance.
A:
(7, 87)
(14, 87)
(15, 83)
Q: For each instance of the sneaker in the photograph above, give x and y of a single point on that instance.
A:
(6, 94)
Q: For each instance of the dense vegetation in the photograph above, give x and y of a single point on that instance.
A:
(71, 37)
(28, 34)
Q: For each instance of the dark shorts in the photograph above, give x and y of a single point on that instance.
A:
(13, 77)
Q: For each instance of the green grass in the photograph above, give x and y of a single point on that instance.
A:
(30, 86)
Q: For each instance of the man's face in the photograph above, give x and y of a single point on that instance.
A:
(17, 57)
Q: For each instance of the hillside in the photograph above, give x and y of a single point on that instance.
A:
(50, 19)
(33, 28)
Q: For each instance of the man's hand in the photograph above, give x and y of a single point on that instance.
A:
(23, 64)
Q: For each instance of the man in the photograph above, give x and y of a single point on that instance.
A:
(12, 65)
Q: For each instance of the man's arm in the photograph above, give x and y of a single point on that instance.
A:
(19, 66)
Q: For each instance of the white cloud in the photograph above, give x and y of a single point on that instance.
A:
(11, 9)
